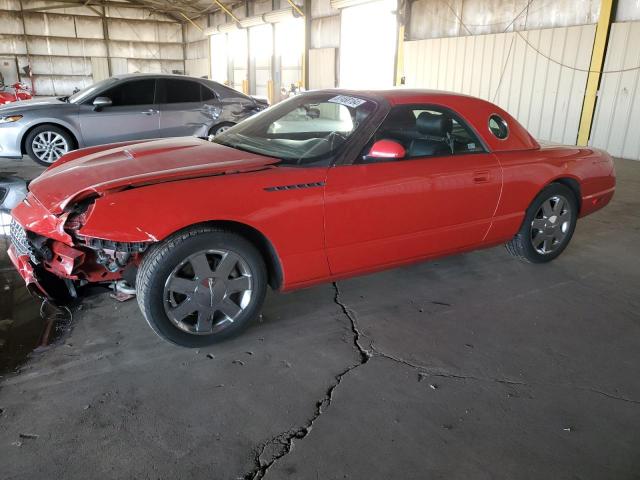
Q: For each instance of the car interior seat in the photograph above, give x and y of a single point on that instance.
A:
(435, 130)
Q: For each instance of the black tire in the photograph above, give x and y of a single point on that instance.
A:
(216, 129)
(522, 245)
(55, 131)
(161, 260)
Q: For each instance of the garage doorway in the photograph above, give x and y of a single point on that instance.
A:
(261, 55)
(368, 36)
(219, 58)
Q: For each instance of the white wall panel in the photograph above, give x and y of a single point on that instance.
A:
(617, 116)
(535, 75)
(197, 68)
(322, 68)
(325, 32)
(10, 23)
(99, 69)
(66, 47)
(12, 45)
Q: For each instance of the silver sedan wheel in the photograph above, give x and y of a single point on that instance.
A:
(49, 146)
(223, 128)
(208, 291)
(551, 224)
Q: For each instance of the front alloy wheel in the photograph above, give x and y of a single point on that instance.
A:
(208, 291)
(47, 143)
(201, 285)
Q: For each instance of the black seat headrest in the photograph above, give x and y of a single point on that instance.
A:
(434, 124)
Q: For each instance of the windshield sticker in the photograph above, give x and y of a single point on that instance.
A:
(347, 101)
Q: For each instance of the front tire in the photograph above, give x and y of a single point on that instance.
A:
(548, 225)
(45, 144)
(201, 286)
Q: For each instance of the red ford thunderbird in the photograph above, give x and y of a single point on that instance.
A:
(325, 185)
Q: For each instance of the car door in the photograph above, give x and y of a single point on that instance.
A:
(432, 201)
(186, 107)
(132, 114)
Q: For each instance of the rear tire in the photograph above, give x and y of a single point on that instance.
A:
(45, 144)
(201, 286)
(548, 225)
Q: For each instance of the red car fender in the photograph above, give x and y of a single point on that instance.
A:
(588, 172)
(285, 205)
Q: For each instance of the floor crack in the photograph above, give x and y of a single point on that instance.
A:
(269, 452)
(279, 446)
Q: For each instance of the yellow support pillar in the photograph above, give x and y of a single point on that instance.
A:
(595, 70)
(400, 57)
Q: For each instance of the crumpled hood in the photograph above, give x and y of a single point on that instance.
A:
(138, 164)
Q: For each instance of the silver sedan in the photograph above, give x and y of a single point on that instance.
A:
(121, 108)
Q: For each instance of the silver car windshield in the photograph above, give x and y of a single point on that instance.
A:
(85, 93)
(302, 130)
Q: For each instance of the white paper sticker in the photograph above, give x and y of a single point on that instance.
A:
(347, 101)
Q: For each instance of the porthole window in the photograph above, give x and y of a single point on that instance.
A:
(498, 127)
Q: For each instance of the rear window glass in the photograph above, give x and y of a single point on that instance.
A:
(206, 94)
(498, 127)
(179, 91)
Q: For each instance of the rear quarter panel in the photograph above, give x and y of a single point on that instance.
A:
(526, 173)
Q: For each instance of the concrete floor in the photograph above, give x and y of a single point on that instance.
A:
(471, 367)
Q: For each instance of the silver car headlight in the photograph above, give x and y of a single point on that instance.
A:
(10, 118)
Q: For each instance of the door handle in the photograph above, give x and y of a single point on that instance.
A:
(151, 111)
(481, 177)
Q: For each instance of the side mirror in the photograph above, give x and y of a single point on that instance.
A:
(385, 150)
(100, 102)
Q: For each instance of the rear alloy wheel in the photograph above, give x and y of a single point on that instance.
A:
(548, 225)
(201, 286)
(47, 143)
(218, 129)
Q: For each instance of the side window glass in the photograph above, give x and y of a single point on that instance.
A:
(136, 92)
(426, 131)
(498, 127)
(181, 91)
(206, 94)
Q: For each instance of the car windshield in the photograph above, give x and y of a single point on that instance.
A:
(305, 129)
(85, 93)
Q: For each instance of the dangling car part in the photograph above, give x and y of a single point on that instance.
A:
(322, 186)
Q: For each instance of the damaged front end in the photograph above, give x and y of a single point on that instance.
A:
(53, 256)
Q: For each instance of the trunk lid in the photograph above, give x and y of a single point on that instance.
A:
(139, 164)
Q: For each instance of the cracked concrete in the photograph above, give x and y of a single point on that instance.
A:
(279, 446)
(475, 366)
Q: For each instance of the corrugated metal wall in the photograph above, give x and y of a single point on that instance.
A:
(519, 71)
(453, 18)
(60, 44)
(197, 49)
(617, 117)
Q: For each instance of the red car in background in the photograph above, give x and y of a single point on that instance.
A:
(17, 91)
(323, 186)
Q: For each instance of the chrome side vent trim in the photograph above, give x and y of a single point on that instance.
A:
(296, 186)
